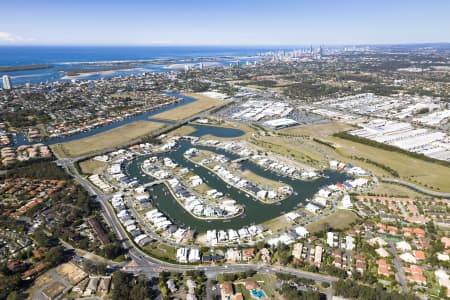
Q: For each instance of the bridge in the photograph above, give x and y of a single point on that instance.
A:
(170, 126)
(149, 184)
(238, 160)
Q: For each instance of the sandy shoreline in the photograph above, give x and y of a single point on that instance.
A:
(88, 74)
(191, 65)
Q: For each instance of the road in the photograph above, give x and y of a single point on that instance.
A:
(399, 267)
(151, 266)
(416, 187)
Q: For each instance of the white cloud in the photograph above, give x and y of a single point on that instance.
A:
(12, 38)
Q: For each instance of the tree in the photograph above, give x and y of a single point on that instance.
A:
(112, 250)
(41, 238)
(121, 282)
(127, 287)
(55, 256)
(13, 296)
(139, 290)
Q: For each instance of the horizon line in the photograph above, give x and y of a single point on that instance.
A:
(226, 45)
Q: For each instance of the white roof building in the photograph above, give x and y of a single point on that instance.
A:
(346, 202)
(403, 246)
(301, 231)
(349, 242)
(194, 255)
(408, 257)
(330, 239)
(182, 255)
(312, 208)
(382, 252)
(443, 257)
(443, 279)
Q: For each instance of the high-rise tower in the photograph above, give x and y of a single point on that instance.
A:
(6, 82)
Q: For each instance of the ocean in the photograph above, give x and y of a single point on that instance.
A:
(66, 58)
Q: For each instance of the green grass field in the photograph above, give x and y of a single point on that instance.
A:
(161, 251)
(319, 130)
(430, 175)
(91, 166)
(395, 190)
(182, 112)
(278, 223)
(107, 140)
(262, 181)
(301, 147)
(182, 131)
(339, 220)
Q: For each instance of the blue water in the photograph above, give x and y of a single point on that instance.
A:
(20, 139)
(258, 294)
(256, 212)
(223, 132)
(63, 58)
(201, 130)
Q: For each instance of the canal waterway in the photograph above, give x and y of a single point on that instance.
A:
(20, 139)
(256, 212)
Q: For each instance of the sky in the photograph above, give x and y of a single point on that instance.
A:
(226, 22)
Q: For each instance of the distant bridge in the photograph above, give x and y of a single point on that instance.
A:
(156, 182)
(238, 160)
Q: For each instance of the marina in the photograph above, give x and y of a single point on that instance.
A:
(256, 212)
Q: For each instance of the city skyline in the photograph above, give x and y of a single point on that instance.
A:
(232, 23)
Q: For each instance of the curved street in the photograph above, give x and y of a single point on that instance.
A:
(416, 187)
(151, 266)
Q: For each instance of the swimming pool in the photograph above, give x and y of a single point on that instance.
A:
(258, 293)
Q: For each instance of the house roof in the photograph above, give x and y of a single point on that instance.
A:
(446, 241)
(251, 285)
(417, 278)
(249, 252)
(227, 288)
(419, 254)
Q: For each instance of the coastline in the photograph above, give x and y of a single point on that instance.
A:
(82, 75)
(153, 58)
(179, 66)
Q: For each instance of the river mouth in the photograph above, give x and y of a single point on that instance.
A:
(256, 212)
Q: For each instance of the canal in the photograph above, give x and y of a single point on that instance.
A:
(20, 139)
(256, 212)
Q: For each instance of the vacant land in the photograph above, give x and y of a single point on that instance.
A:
(339, 220)
(182, 112)
(301, 146)
(54, 290)
(71, 273)
(161, 251)
(108, 140)
(278, 223)
(319, 130)
(202, 188)
(182, 131)
(38, 284)
(263, 181)
(292, 148)
(395, 190)
(91, 166)
(430, 175)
